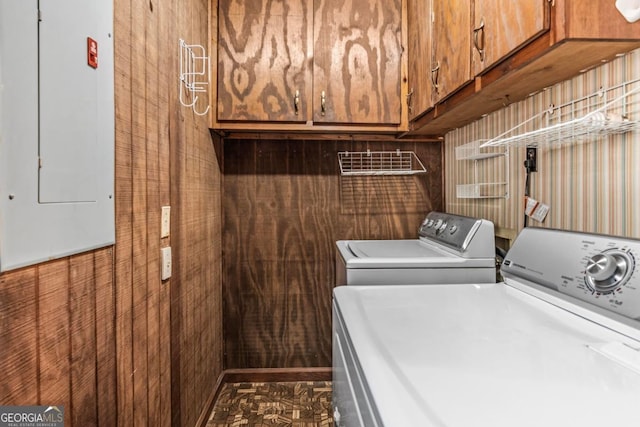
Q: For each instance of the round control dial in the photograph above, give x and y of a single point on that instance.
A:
(608, 270)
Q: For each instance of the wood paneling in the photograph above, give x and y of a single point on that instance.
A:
(195, 286)
(105, 338)
(18, 352)
(285, 205)
(53, 352)
(99, 332)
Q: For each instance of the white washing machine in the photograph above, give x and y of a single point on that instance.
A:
(556, 344)
(449, 249)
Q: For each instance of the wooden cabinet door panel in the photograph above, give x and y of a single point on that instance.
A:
(357, 61)
(263, 60)
(420, 57)
(452, 45)
(508, 25)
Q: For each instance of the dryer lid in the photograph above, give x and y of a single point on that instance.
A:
(506, 357)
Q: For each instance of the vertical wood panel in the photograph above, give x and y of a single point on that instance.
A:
(82, 303)
(166, 80)
(124, 212)
(105, 338)
(196, 327)
(153, 209)
(140, 257)
(285, 205)
(18, 352)
(58, 362)
(54, 332)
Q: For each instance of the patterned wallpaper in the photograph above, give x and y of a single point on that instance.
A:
(590, 185)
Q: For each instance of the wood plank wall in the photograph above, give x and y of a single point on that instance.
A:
(285, 204)
(99, 332)
(196, 299)
(57, 337)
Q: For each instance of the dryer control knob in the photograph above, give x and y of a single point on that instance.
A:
(608, 270)
(601, 267)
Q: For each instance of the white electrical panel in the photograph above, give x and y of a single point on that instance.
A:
(56, 129)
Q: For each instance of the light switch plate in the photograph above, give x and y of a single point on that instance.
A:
(165, 225)
(166, 262)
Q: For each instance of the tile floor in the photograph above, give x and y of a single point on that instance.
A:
(290, 404)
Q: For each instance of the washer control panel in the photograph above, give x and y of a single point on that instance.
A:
(454, 231)
(599, 269)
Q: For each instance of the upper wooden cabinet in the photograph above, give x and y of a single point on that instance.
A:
(263, 67)
(501, 27)
(439, 51)
(451, 66)
(357, 61)
(519, 47)
(306, 64)
(420, 53)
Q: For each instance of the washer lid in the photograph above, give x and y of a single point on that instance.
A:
(485, 355)
(394, 249)
(414, 253)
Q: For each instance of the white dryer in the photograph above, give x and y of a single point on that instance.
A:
(449, 249)
(556, 344)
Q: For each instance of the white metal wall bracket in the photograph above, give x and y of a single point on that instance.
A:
(194, 75)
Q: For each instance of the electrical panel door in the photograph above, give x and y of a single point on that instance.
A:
(56, 129)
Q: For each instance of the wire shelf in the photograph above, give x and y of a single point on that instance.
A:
(475, 151)
(483, 190)
(601, 114)
(380, 163)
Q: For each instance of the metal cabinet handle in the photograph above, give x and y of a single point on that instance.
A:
(296, 102)
(478, 39)
(410, 101)
(323, 106)
(435, 73)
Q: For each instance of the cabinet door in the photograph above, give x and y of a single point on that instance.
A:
(452, 46)
(502, 27)
(263, 72)
(357, 61)
(420, 57)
